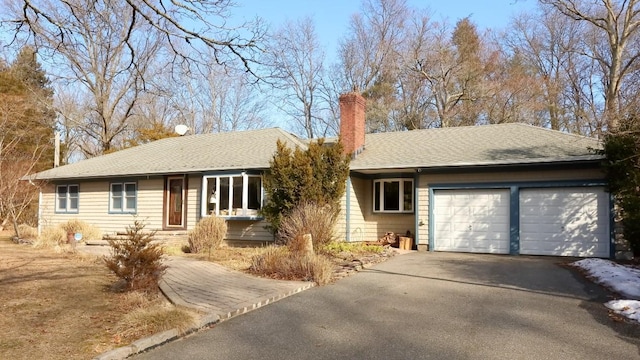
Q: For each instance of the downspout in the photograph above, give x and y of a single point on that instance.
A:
(416, 207)
(348, 210)
(39, 212)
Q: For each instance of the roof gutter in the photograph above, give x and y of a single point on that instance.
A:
(515, 166)
(34, 177)
(580, 162)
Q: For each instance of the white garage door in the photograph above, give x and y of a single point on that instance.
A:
(471, 221)
(564, 222)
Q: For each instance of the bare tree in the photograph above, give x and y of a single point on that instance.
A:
(449, 61)
(371, 58)
(295, 66)
(546, 43)
(513, 92)
(197, 23)
(618, 22)
(105, 53)
(218, 100)
(415, 96)
(371, 47)
(70, 110)
(111, 52)
(333, 85)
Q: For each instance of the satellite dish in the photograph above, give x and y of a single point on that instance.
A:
(181, 129)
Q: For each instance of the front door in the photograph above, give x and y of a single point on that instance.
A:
(175, 201)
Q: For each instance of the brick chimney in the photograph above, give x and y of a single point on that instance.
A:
(352, 108)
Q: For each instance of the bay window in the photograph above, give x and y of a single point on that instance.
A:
(237, 195)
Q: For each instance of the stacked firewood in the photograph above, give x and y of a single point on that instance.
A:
(389, 238)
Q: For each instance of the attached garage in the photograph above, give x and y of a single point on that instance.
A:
(471, 221)
(556, 221)
(565, 222)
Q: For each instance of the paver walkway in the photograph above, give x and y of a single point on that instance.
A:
(212, 288)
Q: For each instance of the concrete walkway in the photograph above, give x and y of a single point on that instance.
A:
(212, 288)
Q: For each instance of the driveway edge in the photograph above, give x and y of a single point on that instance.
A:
(205, 322)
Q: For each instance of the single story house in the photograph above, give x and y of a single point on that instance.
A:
(507, 188)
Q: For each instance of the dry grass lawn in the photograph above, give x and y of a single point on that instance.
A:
(235, 258)
(62, 306)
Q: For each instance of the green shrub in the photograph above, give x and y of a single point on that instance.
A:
(630, 212)
(207, 235)
(280, 263)
(136, 260)
(308, 218)
(337, 247)
(622, 167)
(317, 174)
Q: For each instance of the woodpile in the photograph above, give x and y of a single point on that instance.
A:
(398, 241)
(389, 238)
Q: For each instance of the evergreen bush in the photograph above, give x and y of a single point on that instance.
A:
(136, 260)
(622, 166)
(316, 175)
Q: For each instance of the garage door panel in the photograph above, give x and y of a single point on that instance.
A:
(580, 249)
(564, 222)
(471, 220)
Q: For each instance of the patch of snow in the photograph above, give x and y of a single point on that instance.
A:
(621, 279)
(626, 308)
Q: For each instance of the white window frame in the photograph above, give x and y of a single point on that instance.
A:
(68, 196)
(380, 183)
(230, 212)
(123, 196)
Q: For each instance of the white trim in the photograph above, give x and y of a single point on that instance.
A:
(245, 211)
(401, 210)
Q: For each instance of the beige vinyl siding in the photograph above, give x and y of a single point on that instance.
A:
(248, 230)
(340, 227)
(93, 206)
(194, 184)
(356, 218)
(365, 225)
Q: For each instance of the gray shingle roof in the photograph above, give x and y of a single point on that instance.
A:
(472, 145)
(239, 150)
(243, 150)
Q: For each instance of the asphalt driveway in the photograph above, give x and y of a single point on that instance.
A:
(429, 306)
